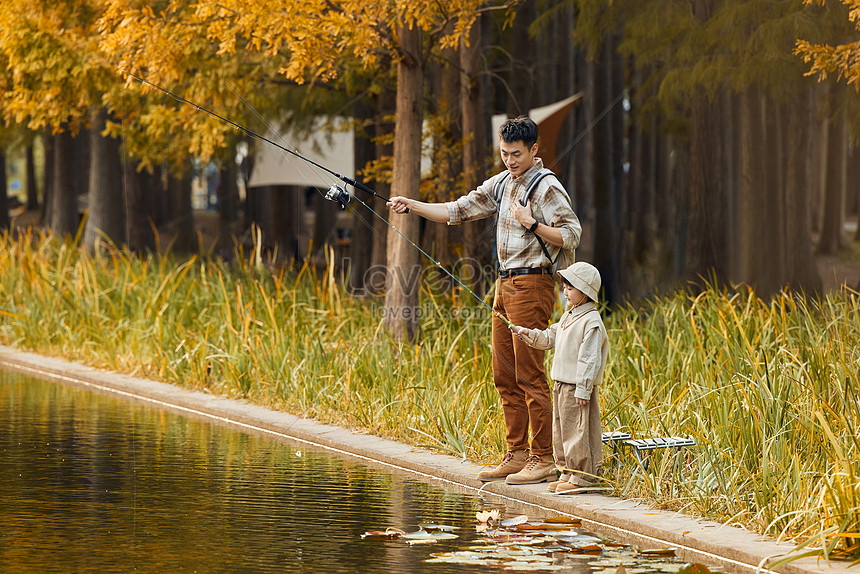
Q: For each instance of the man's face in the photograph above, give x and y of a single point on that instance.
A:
(517, 157)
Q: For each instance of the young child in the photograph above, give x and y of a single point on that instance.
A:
(581, 348)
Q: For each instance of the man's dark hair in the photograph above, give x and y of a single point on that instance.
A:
(521, 129)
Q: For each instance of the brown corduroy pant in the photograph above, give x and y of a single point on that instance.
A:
(518, 370)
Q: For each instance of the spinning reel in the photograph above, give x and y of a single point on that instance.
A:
(338, 194)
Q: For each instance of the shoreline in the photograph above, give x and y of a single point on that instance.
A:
(708, 542)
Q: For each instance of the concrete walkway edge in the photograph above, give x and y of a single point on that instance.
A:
(731, 548)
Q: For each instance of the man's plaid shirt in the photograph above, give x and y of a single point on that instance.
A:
(517, 247)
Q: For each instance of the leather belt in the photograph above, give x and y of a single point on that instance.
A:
(524, 271)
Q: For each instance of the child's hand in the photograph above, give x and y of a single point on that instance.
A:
(520, 332)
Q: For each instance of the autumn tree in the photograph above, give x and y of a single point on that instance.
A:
(312, 41)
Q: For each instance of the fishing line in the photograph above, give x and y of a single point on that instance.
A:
(335, 193)
(591, 125)
(342, 196)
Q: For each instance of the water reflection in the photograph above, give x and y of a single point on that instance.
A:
(93, 483)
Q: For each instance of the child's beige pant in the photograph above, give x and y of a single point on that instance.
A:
(576, 434)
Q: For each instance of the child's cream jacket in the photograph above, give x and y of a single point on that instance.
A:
(581, 348)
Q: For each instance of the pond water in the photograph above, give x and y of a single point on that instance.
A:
(94, 483)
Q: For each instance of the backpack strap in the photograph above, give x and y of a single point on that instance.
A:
(532, 185)
(499, 187)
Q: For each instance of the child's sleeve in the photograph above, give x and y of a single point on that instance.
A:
(589, 362)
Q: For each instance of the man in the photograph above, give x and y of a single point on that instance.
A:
(525, 292)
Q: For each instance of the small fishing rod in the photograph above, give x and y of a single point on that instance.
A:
(335, 193)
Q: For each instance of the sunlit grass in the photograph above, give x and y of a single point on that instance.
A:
(769, 390)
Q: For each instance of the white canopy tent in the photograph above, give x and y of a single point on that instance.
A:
(333, 147)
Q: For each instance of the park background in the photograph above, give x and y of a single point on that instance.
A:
(711, 156)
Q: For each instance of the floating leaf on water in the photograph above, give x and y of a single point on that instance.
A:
(554, 535)
(507, 538)
(669, 567)
(581, 539)
(694, 569)
(621, 569)
(563, 520)
(531, 566)
(508, 522)
(417, 535)
(440, 527)
(657, 552)
(422, 541)
(588, 549)
(443, 536)
(461, 557)
(387, 533)
(543, 526)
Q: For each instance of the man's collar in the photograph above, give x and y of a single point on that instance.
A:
(527, 175)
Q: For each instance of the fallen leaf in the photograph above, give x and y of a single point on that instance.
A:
(422, 541)
(563, 520)
(387, 533)
(440, 527)
(657, 552)
(508, 522)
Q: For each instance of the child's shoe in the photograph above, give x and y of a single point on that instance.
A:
(564, 477)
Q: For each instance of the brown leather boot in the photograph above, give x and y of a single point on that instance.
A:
(513, 462)
(536, 469)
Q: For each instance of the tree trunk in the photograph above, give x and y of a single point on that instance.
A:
(853, 179)
(753, 205)
(448, 161)
(325, 225)
(140, 188)
(802, 272)
(32, 188)
(583, 158)
(362, 236)
(830, 239)
(606, 256)
(64, 201)
(404, 268)
(706, 249)
(181, 212)
(106, 210)
(48, 141)
(520, 73)
(478, 238)
(228, 207)
(5, 221)
(385, 109)
(774, 222)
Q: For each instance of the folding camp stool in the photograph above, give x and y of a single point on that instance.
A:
(642, 447)
(613, 438)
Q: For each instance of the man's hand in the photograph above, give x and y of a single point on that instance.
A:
(523, 213)
(399, 204)
(581, 402)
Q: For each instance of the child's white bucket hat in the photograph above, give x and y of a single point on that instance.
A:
(584, 277)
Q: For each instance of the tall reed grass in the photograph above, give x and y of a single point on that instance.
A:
(769, 390)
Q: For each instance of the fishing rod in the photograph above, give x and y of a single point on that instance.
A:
(335, 193)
